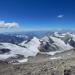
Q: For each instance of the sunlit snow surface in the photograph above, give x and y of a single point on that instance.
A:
(61, 43)
(53, 53)
(22, 60)
(5, 56)
(53, 58)
(30, 50)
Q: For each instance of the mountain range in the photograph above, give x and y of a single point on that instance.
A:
(30, 47)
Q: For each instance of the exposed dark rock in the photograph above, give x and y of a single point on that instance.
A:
(67, 72)
(47, 47)
(72, 43)
(2, 51)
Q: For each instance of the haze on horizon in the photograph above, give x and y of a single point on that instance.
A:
(37, 14)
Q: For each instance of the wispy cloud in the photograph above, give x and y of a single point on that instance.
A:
(60, 16)
(4, 24)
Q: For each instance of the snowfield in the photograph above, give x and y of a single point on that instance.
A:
(30, 49)
(61, 44)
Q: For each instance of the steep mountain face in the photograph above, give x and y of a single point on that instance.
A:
(32, 44)
(11, 50)
(68, 38)
(52, 43)
(72, 41)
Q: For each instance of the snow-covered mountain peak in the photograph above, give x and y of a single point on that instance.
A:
(31, 45)
(67, 33)
(61, 43)
(45, 39)
(56, 34)
(33, 41)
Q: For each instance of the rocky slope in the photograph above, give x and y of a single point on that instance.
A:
(42, 65)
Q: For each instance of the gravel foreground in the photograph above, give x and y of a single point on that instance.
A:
(42, 65)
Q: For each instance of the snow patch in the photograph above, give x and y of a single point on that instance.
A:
(55, 58)
(53, 52)
(22, 60)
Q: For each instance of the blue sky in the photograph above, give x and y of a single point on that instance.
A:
(38, 14)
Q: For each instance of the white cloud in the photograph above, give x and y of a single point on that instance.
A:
(4, 24)
(60, 16)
